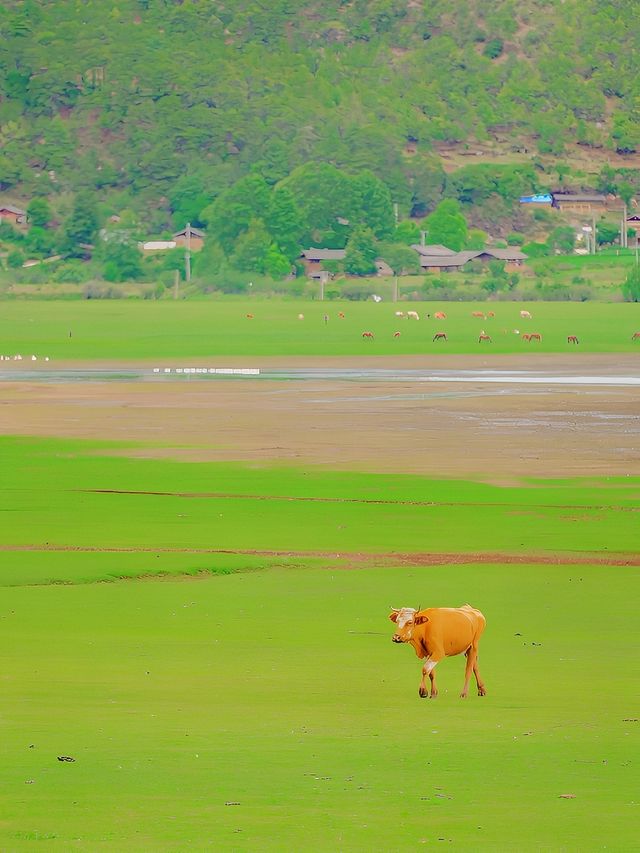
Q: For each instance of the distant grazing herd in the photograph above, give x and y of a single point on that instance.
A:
(483, 337)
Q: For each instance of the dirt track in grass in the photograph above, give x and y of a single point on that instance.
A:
(490, 432)
(360, 559)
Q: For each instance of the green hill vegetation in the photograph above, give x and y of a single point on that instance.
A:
(281, 125)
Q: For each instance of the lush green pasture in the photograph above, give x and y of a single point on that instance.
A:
(172, 330)
(271, 712)
(253, 702)
(67, 495)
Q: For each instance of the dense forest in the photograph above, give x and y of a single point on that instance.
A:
(289, 122)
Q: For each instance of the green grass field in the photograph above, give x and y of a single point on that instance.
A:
(182, 330)
(254, 702)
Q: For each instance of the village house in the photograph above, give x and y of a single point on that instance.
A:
(13, 215)
(436, 258)
(313, 259)
(193, 237)
(580, 202)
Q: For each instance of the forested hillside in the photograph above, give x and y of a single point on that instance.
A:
(162, 106)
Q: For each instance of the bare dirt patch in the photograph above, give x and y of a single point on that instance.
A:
(477, 430)
(363, 559)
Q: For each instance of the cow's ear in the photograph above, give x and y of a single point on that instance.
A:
(420, 619)
(394, 616)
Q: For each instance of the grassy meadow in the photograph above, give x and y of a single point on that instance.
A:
(179, 330)
(254, 702)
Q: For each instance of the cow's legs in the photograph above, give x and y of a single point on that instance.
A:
(479, 681)
(427, 670)
(471, 655)
(434, 689)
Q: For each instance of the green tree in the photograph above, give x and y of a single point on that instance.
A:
(252, 247)
(401, 259)
(39, 241)
(407, 232)
(81, 226)
(360, 256)
(562, 239)
(447, 225)
(284, 222)
(276, 264)
(233, 211)
(631, 286)
(373, 199)
(476, 239)
(123, 261)
(39, 212)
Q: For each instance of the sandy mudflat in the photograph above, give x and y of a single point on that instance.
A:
(493, 432)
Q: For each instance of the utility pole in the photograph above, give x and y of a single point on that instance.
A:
(593, 235)
(395, 288)
(624, 239)
(187, 253)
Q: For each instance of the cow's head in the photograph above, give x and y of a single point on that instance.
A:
(406, 618)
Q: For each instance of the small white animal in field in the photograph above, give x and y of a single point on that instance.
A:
(525, 315)
(516, 331)
(399, 313)
(34, 358)
(300, 316)
(413, 315)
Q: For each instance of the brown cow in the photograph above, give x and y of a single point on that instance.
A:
(525, 338)
(396, 334)
(478, 314)
(491, 314)
(573, 339)
(440, 315)
(249, 316)
(367, 334)
(535, 336)
(484, 337)
(439, 632)
(440, 336)
(635, 336)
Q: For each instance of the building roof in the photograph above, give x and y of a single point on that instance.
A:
(157, 245)
(586, 197)
(434, 249)
(540, 198)
(11, 209)
(458, 259)
(505, 254)
(313, 254)
(194, 232)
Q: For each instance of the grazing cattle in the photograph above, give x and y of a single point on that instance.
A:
(525, 315)
(396, 334)
(478, 314)
(439, 632)
(367, 334)
(440, 315)
(535, 336)
(484, 337)
(399, 313)
(635, 336)
(341, 315)
(440, 336)
(491, 314)
(413, 315)
(300, 316)
(525, 338)
(249, 316)
(573, 339)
